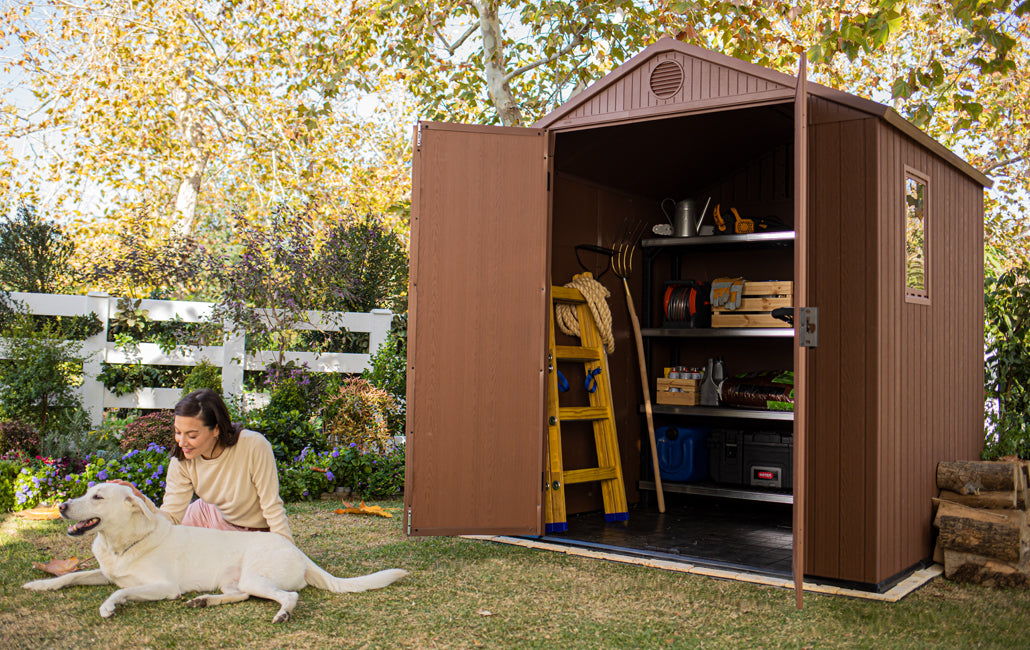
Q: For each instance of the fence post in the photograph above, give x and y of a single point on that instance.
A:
(382, 319)
(234, 359)
(95, 349)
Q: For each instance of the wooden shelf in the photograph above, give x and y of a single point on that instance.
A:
(713, 490)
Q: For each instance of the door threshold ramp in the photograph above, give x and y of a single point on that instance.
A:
(903, 588)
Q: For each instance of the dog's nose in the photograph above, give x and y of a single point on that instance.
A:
(62, 507)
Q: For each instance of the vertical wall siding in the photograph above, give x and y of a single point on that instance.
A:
(702, 80)
(931, 356)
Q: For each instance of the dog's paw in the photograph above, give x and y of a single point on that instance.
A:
(282, 617)
(199, 601)
(39, 585)
(107, 609)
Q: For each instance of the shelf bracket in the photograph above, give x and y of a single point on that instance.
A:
(808, 327)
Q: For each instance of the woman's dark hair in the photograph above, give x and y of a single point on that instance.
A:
(210, 408)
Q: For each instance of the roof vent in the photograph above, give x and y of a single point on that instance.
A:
(666, 79)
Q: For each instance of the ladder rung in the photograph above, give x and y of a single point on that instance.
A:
(566, 294)
(576, 353)
(589, 474)
(582, 413)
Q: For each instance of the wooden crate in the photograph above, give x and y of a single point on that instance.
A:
(756, 306)
(688, 394)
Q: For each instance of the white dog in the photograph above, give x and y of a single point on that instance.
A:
(149, 558)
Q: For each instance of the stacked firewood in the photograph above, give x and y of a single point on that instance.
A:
(981, 519)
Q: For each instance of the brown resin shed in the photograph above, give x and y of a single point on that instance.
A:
(883, 236)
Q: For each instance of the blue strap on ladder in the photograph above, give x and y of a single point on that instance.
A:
(591, 381)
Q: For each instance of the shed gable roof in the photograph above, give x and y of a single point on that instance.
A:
(670, 76)
(674, 77)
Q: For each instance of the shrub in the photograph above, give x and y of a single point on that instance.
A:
(388, 371)
(1007, 363)
(9, 469)
(359, 413)
(51, 480)
(155, 428)
(40, 378)
(288, 432)
(386, 477)
(203, 375)
(18, 436)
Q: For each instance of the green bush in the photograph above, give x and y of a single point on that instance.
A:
(1007, 363)
(203, 375)
(288, 432)
(51, 480)
(155, 428)
(40, 376)
(9, 469)
(19, 436)
(388, 371)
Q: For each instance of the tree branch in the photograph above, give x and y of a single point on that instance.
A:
(1003, 163)
(453, 47)
(577, 39)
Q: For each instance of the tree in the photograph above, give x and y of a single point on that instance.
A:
(33, 254)
(492, 61)
(960, 70)
(158, 102)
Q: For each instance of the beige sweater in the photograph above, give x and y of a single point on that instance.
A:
(242, 483)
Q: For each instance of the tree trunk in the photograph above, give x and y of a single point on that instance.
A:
(494, 64)
(186, 199)
(970, 477)
(999, 534)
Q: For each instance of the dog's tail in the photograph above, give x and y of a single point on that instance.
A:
(318, 577)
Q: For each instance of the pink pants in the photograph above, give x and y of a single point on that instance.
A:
(204, 515)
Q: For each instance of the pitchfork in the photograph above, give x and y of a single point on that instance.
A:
(622, 265)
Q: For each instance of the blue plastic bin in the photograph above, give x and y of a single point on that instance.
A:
(682, 453)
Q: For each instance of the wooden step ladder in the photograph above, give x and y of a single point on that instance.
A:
(591, 354)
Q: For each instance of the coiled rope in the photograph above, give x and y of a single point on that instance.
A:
(596, 295)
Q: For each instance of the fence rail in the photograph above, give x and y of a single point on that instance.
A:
(230, 356)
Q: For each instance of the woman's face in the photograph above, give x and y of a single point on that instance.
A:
(194, 438)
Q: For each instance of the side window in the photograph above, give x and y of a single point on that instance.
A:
(916, 214)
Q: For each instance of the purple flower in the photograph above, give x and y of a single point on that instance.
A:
(102, 475)
(329, 475)
(91, 484)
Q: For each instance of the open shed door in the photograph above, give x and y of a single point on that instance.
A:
(803, 339)
(477, 331)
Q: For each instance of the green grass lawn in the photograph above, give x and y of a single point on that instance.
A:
(463, 594)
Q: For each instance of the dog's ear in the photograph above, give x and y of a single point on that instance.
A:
(138, 503)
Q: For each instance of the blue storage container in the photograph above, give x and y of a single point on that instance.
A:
(682, 453)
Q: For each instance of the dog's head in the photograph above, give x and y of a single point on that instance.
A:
(103, 505)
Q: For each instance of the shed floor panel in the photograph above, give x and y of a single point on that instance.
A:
(722, 532)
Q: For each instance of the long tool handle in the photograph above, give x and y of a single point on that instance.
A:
(645, 385)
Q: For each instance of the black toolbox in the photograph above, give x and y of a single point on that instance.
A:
(752, 458)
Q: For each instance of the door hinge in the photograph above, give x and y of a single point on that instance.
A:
(409, 521)
(418, 135)
(808, 327)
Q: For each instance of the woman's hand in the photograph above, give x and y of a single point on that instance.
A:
(135, 490)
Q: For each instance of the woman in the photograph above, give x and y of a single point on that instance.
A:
(231, 470)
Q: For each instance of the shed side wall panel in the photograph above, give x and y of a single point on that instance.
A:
(931, 384)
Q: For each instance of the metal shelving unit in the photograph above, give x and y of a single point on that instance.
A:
(715, 243)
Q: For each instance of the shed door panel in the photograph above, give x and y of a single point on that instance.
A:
(477, 331)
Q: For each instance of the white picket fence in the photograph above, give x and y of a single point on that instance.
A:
(230, 356)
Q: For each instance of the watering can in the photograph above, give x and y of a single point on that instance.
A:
(684, 217)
